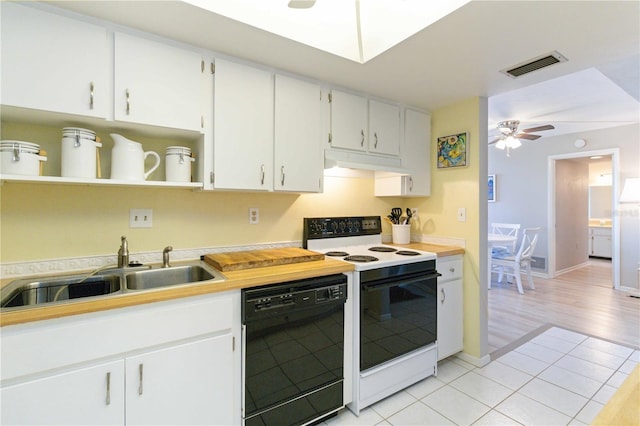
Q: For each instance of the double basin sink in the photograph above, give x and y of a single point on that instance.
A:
(24, 293)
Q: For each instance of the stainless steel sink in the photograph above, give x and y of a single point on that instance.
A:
(29, 292)
(166, 277)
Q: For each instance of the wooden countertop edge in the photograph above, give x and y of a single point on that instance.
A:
(440, 250)
(235, 280)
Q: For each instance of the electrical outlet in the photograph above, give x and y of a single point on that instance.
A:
(140, 218)
(462, 214)
(254, 215)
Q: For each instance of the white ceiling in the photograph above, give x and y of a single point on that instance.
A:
(454, 59)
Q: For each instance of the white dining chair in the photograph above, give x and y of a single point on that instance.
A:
(509, 229)
(512, 265)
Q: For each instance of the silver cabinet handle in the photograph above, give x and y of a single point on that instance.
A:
(108, 401)
(91, 87)
(128, 95)
(140, 378)
(452, 270)
(375, 136)
(262, 174)
(410, 183)
(362, 139)
(282, 176)
(444, 296)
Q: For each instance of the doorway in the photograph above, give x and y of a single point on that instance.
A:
(568, 214)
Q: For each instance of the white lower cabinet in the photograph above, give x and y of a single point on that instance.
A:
(184, 384)
(172, 362)
(600, 242)
(85, 396)
(450, 308)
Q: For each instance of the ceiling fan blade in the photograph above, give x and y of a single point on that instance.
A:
(495, 141)
(527, 136)
(538, 129)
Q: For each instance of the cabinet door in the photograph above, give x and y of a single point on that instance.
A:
(601, 242)
(156, 84)
(190, 383)
(416, 155)
(384, 128)
(450, 325)
(53, 63)
(88, 396)
(243, 127)
(348, 121)
(297, 149)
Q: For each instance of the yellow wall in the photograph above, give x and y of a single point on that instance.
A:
(59, 221)
(454, 188)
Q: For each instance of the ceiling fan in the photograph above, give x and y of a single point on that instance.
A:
(510, 136)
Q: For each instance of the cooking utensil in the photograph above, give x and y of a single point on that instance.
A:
(396, 214)
(409, 215)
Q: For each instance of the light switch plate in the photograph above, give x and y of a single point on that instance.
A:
(462, 214)
(140, 218)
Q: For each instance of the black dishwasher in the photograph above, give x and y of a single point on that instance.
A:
(293, 366)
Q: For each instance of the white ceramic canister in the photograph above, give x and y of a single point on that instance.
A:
(178, 161)
(20, 158)
(79, 153)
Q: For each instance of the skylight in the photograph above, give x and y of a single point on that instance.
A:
(358, 30)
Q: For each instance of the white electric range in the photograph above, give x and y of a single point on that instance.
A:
(394, 313)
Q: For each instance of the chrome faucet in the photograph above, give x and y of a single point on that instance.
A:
(123, 253)
(165, 256)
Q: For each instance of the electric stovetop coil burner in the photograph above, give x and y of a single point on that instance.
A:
(407, 253)
(383, 249)
(360, 258)
(336, 253)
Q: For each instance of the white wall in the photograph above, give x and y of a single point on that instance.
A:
(522, 187)
(572, 211)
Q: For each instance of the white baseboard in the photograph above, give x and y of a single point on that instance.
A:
(473, 360)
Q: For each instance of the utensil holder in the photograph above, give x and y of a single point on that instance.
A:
(401, 234)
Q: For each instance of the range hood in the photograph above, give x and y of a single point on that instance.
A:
(342, 163)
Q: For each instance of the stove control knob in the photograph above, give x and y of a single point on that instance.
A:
(334, 226)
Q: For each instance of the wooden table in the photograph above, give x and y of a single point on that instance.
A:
(496, 240)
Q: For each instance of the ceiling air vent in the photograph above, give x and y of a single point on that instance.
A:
(534, 64)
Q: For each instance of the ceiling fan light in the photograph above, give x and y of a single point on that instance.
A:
(513, 142)
(501, 144)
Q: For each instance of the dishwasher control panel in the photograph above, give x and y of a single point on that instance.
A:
(286, 298)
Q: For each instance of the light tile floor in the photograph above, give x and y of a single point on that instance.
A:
(558, 377)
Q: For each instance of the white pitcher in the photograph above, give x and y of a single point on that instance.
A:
(127, 159)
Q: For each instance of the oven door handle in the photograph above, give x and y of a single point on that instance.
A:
(395, 283)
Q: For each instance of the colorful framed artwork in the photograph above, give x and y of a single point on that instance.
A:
(491, 195)
(452, 151)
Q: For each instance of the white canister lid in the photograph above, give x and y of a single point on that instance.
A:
(78, 131)
(178, 150)
(20, 145)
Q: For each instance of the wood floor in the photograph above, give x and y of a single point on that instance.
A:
(576, 300)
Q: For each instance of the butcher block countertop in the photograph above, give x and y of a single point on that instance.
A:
(235, 280)
(439, 249)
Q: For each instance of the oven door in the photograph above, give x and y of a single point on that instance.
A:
(397, 315)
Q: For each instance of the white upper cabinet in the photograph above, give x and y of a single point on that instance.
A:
(298, 130)
(416, 158)
(53, 63)
(417, 152)
(384, 128)
(348, 121)
(243, 127)
(157, 84)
